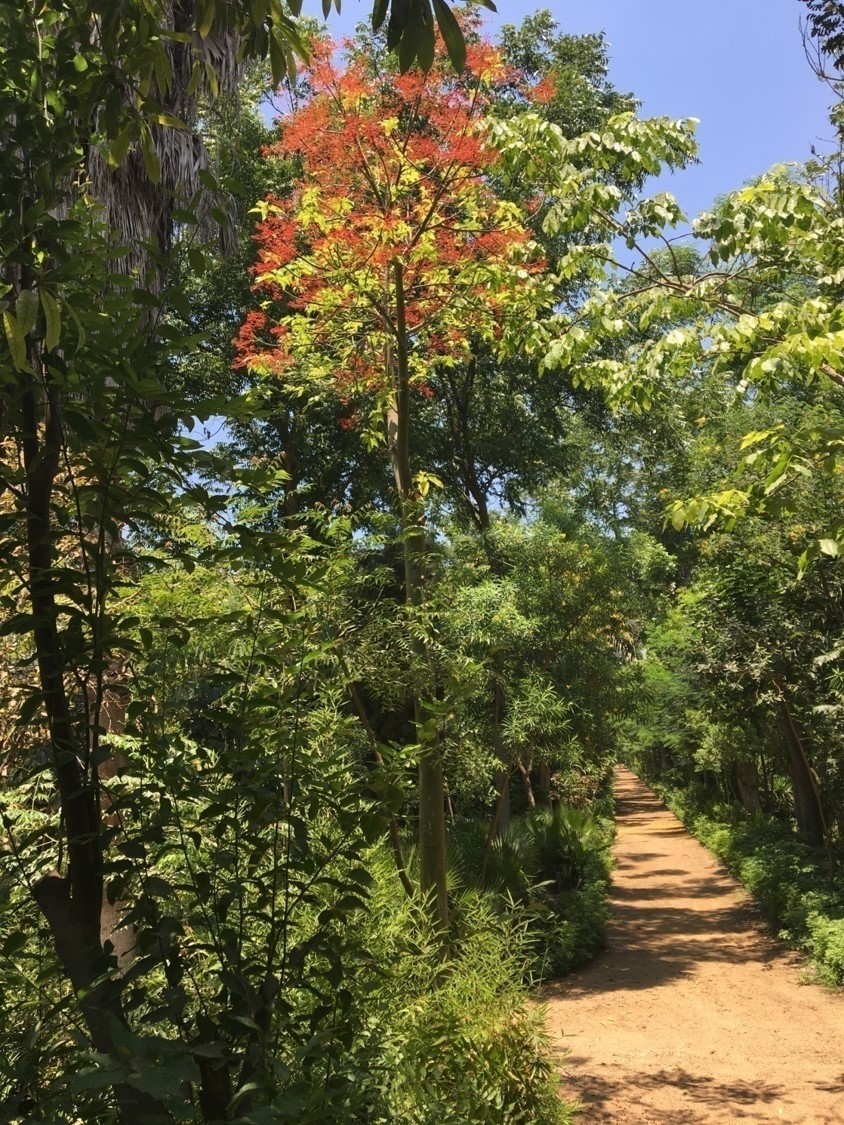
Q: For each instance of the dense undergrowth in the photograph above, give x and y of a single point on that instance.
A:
(407, 1032)
(800, 888)
(551, 870)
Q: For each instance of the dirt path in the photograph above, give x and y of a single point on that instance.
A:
(693, 1014)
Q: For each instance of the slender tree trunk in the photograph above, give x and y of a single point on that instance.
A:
(504, 787)
(807, 807)
(108, 707)
(459, 399)
(432, 853)
(747, 782)
(766, 785)
(71, 903)
(544, 784)
(529, 793)
(502, 778)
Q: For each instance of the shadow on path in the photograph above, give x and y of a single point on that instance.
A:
(694, 1013)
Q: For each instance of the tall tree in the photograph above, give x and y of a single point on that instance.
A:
(395, 256)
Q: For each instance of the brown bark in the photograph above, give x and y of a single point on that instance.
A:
(503, 788)
(432, 852)
(747, 782)
(807, 808)
(109, 700)
(528, 784)
(544, 784)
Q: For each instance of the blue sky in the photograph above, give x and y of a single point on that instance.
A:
(738, 65)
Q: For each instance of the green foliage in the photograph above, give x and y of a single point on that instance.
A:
(550, 872)
(565, 839)
(573, 930)
(472, 1050)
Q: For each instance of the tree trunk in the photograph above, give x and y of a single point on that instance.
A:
(71, 904)
(432, 852)
(807, 808)
(747, 782)
(544, 784)
(502, 778)
(108, 704)
(459, 398)
(531, 797)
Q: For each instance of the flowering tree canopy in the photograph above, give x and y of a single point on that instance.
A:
(394, 247)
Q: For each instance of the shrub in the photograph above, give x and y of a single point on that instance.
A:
(571, 927)
(470, 1051)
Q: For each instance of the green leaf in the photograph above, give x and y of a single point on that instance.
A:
(167, 119)
(829, 547)
(426, 37)
(15, 339)
(18, 624)
(212, 79)
(407, 49)
(163, 1081)
(156, 887)
(205, 18)
(53, 318)
(120, 145)
(14, 943)
(30, 707)
(452, 35)
(379, 13)
(26, 310)
(208, 180)
(150, 156)
(215, 1050)
(278, 56)
(195, 77)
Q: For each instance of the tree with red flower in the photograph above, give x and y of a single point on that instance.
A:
(392, 259)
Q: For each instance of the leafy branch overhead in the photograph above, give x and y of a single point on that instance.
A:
(760, 306)
(411, 30)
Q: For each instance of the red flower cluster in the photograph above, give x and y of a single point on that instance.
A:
(394, 173)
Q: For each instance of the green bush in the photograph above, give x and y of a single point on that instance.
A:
(826, 946)
(550, 870)
(453, 1041)
(564, 841)
(571, 928)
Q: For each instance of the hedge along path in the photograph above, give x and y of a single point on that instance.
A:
(694, 1013)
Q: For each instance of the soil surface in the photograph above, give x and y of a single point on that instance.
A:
(694, 1013)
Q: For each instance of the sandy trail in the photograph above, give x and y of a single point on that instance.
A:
(693, 1014)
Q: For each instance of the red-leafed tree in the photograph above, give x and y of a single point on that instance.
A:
(393, 259)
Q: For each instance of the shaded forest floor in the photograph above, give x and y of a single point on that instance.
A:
(694, 1014)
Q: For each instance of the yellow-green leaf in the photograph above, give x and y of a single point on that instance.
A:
(53, 317)
(16, 340)
(26, 310)
(205, 20)
(150, 156)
